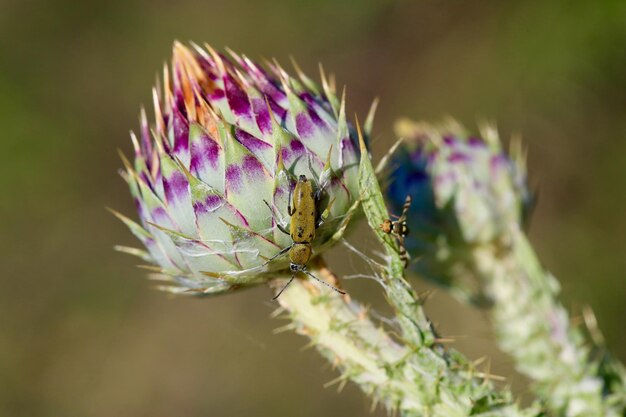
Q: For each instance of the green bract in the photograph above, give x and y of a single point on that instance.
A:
(227, 137)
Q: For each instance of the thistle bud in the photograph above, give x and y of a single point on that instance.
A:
(212, 174)
(466, 191)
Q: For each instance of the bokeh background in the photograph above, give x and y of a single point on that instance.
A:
(81, 331)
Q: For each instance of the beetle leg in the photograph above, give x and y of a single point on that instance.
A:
(283, 289)
(404, 256)
(282, 252)
(290, 211)
(325, 213)
(280, 226)
(282, 229)
(318, 194)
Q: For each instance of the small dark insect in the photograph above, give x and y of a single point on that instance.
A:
(302, 228)
(399, 229)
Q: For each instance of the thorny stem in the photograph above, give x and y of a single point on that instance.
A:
(343, 332)
(534, 328)
(409, 376)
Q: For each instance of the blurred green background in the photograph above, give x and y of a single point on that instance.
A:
(81, 331)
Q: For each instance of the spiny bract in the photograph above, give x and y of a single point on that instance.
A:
(228, 135)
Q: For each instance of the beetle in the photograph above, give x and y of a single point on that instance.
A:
(400, 229)
(305, 219)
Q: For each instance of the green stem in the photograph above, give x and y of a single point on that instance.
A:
(423, 380)
(534, 328)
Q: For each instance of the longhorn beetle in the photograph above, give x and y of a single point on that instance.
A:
(304, 221)
(400, 229)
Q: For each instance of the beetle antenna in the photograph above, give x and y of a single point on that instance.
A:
(283, 289)
(323, 282)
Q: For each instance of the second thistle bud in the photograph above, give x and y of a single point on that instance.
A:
(466, 191)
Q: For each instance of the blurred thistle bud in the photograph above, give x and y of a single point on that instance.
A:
(229, 136)
(466, 191)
